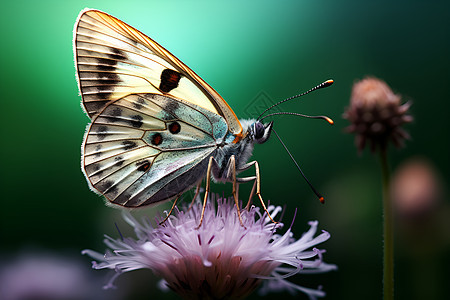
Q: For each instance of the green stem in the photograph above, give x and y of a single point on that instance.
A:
(388, 259)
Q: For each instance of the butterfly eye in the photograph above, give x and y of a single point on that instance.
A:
(259, 130)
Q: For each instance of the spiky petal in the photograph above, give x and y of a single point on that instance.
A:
(220, 260)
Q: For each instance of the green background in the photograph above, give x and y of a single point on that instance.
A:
(241, 48)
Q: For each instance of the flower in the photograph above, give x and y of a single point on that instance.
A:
(41, 274)
(376, 114)
(221, 259)
(416, 189)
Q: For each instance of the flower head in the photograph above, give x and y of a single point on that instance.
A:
(376, 114)
(221, 259)
(39, 274)
(416, 189)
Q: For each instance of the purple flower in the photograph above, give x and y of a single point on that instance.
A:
(39, 274)
(221, 259)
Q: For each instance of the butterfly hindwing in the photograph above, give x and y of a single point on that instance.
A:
(114, 60)
(146, 148)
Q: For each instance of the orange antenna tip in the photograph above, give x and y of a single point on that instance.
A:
(329, 120)
(322, 200)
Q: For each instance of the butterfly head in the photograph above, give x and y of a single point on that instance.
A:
(260, 132)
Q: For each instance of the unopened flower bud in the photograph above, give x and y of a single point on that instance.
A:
(376, 114)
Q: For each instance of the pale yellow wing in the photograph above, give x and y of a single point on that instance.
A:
(114, 60)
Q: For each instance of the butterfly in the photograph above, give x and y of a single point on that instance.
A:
(157, 129)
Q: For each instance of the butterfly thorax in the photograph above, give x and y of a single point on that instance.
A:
(253, 132)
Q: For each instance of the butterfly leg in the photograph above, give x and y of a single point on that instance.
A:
(232, 170)
(257, 178)
(247, 179)
(247, 207)
(207, 188)
(170, 212)
(197, 190)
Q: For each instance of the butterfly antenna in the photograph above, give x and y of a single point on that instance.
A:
(321, 199)
(322, 85)
(329, 120)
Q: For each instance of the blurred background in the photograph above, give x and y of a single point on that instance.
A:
(247, 51)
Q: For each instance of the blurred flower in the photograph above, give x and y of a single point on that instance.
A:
(38, 275)
(376, 114)
(221, 259)
(415, 188)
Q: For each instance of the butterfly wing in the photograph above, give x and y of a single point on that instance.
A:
(114, 60)
(147, 148)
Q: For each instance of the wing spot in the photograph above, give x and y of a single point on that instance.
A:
(143, 166)
(157, 139)
(103, 186)
(118, 161)
(136, 121)
(127, 145)
(103, 68)
(139, 103)
(169, 80)
(172, 106)
(96, 169)
(102, 132)
(98, 153)
(105, 61)
(174, 127)
(117, 55)
(116, 112)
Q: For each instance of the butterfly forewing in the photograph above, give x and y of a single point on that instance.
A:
(114, 60)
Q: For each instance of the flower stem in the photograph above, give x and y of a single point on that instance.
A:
(388, 259)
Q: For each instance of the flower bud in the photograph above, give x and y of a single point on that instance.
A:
(376, 114)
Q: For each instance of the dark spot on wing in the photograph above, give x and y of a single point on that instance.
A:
(139, 103)
(169, 80)
(112, 192)
(102, 75)
(143, 166)
(123, 198)
(127, 145)
(102, 132)
(98, 153)
(103, 93)
(157, 139)
(108, 81)
(95, 169)
(105, 68)
(136, 121)
(92, 107)
(171, 107)
(174, 127)
(104, 185)
(108, 77)
(105, 61)
(113, 114)
(117, 55)
(104, 89)
(116, 112)
(118, 161)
